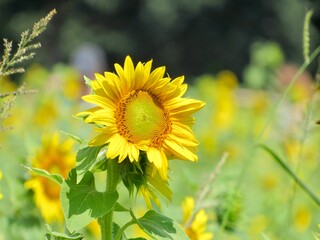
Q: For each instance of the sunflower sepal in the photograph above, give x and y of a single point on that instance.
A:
(87, 81)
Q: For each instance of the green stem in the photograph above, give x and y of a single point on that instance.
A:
(292, 175)
(266, 125)
(106, 221)
(121, 231)
(288, 89)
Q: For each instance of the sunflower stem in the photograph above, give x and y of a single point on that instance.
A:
(106, 221)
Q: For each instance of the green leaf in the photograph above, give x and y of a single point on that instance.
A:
(82, 203)
(100, 165)
(139, 238)
(61, 236)
(286, 168)
(154, 223)
(86, 157)
(87, 81)
(115, 229)
(76, 138)
(43, 173)
(119, 208)
(180, 234)
(265, 237)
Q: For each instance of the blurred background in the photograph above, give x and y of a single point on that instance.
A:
(237, 55)
(189, 37)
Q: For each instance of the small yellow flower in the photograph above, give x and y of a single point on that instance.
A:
(196, 229)
(1, 195)
(142, 110)
(302, 218)
(56, 157)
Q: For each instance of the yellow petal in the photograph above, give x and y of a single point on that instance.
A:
(116, 143)
(87, 112)
(108, 86)
(103, 116)
(100, 101)
(179, 151)
(99, 140)
(140, 77)
(133, 152)
(129, 72)
(154, 156)
(154, 77)
(184, 105)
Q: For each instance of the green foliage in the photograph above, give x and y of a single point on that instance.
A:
(74, 137)
(265, 58)
(154, 223)
(119, 208)
(41, 172)
(115, 231)
(133, 174)
(82, 203)
(52, 235)
(86, 158)
(265, 237)
(229, 211)
(288, 170)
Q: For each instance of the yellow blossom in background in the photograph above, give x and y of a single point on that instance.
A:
(46, 112)
(258, 224)
(35, 75)
(196, 228)
(56, 157)
(227, 79)
(72, 87)
(269, 180)
(1, 195)
(67, 80)
(7, 86)
(142, 110)
(94, 228)
(302, 218)
(225, 100)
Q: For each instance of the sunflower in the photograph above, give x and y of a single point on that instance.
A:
(196, 228)
(142, 110)
(56, 157)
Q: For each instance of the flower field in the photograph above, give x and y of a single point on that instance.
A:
(136, 153)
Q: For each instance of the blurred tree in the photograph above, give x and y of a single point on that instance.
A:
(190, 37)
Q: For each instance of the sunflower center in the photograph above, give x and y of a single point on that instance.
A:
(51, 189)
(142, 117)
